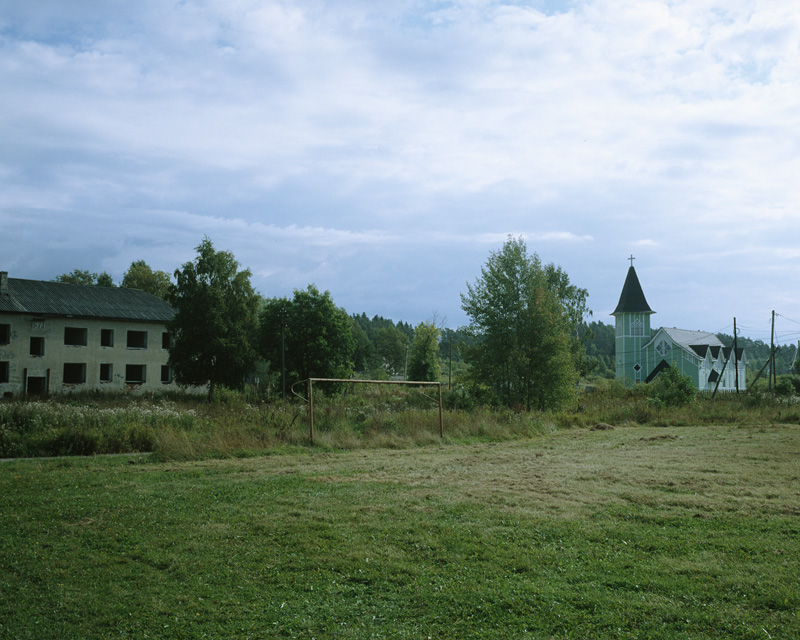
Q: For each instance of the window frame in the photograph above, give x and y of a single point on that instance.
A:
(129, 378)
(40, 352)
(110, 368)
(65, 379)
(71, 331)
(106, 337)
(132, 343)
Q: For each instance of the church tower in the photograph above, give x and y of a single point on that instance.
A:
(632, 323)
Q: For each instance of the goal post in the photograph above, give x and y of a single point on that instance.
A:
(417, 383)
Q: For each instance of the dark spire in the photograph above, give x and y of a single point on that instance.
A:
(632, 298)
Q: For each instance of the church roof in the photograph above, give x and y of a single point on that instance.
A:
(697, 341)
(632, 299)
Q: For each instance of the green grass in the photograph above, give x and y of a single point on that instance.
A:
(678, 532)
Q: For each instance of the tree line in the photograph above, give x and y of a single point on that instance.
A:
(525, 344)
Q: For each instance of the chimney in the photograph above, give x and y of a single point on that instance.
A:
(3, 283)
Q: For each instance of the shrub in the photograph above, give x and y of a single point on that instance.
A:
(672, 389)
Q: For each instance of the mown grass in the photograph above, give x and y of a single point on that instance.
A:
(635, 532)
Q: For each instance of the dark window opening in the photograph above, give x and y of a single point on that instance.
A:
(166, 341)
(4, 372)
(5, 333)
(37, 385)
(135, 373)
(137, 339)
(166, 374)
(106, 372)
(75, 336)
(106, 337)
(37, 346)
(74, 372)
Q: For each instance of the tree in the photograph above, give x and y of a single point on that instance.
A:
(523, 329)
(141, 276)
(79, 276)
(423, 356)
(214, 327)
(391, 345)
(317, 334)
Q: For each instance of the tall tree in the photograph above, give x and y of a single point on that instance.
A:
(215, 323)
(140, 276)
(523, 329)
(423, 356)
(391, 346)
(79, 276)
(318, 336)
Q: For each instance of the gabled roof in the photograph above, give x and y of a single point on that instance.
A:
(632, 299)
(41, 298)
(691, 339)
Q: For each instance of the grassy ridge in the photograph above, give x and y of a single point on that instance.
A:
(679, 532)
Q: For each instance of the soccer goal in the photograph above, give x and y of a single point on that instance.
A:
(417, 383)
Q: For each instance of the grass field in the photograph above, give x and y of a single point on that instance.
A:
(630, 532)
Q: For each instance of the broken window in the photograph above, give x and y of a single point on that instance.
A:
(137, 339)
(4, 368)
(75, 336)
(135, 373)
(74, 373)
(5, 333)
(37, 346)
(166, 374)
(106, 372)
(106, 337)
(166, 341)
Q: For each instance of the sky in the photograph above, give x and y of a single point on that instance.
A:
(382, 151)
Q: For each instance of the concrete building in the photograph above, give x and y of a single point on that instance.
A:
(642, 354)
(57, 337)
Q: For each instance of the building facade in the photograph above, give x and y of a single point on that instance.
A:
(57, 337)
(642, 354)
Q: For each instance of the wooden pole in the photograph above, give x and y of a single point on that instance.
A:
(735, 357)
(772, 351)
(450, 378)
(441, 420)
(310, 411)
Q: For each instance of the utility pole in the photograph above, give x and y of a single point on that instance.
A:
(450, 378)
(772, 352)
(283, 353)
(735, 357)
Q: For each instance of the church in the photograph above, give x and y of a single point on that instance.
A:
(641, 354)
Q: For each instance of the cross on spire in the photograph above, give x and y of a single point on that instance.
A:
(631, 259)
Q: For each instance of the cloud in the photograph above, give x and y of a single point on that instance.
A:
(310, 138)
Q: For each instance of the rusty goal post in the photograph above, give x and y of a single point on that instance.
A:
(417, 383)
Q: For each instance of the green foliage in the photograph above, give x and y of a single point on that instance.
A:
(423, 356)
(214, 328)
(79, 276)
(318, 336)
(671, 388)
(141, 276)
(525, 347)
(788, 385)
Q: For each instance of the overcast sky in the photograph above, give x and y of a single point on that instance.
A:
(382, 150)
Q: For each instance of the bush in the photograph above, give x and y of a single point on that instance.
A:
(788, 385)
(672, 389)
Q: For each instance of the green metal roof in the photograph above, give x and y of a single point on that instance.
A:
(41, 298)
(632, 299)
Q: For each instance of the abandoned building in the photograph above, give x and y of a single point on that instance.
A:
(57, 337)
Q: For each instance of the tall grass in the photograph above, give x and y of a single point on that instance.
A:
(236, 424)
